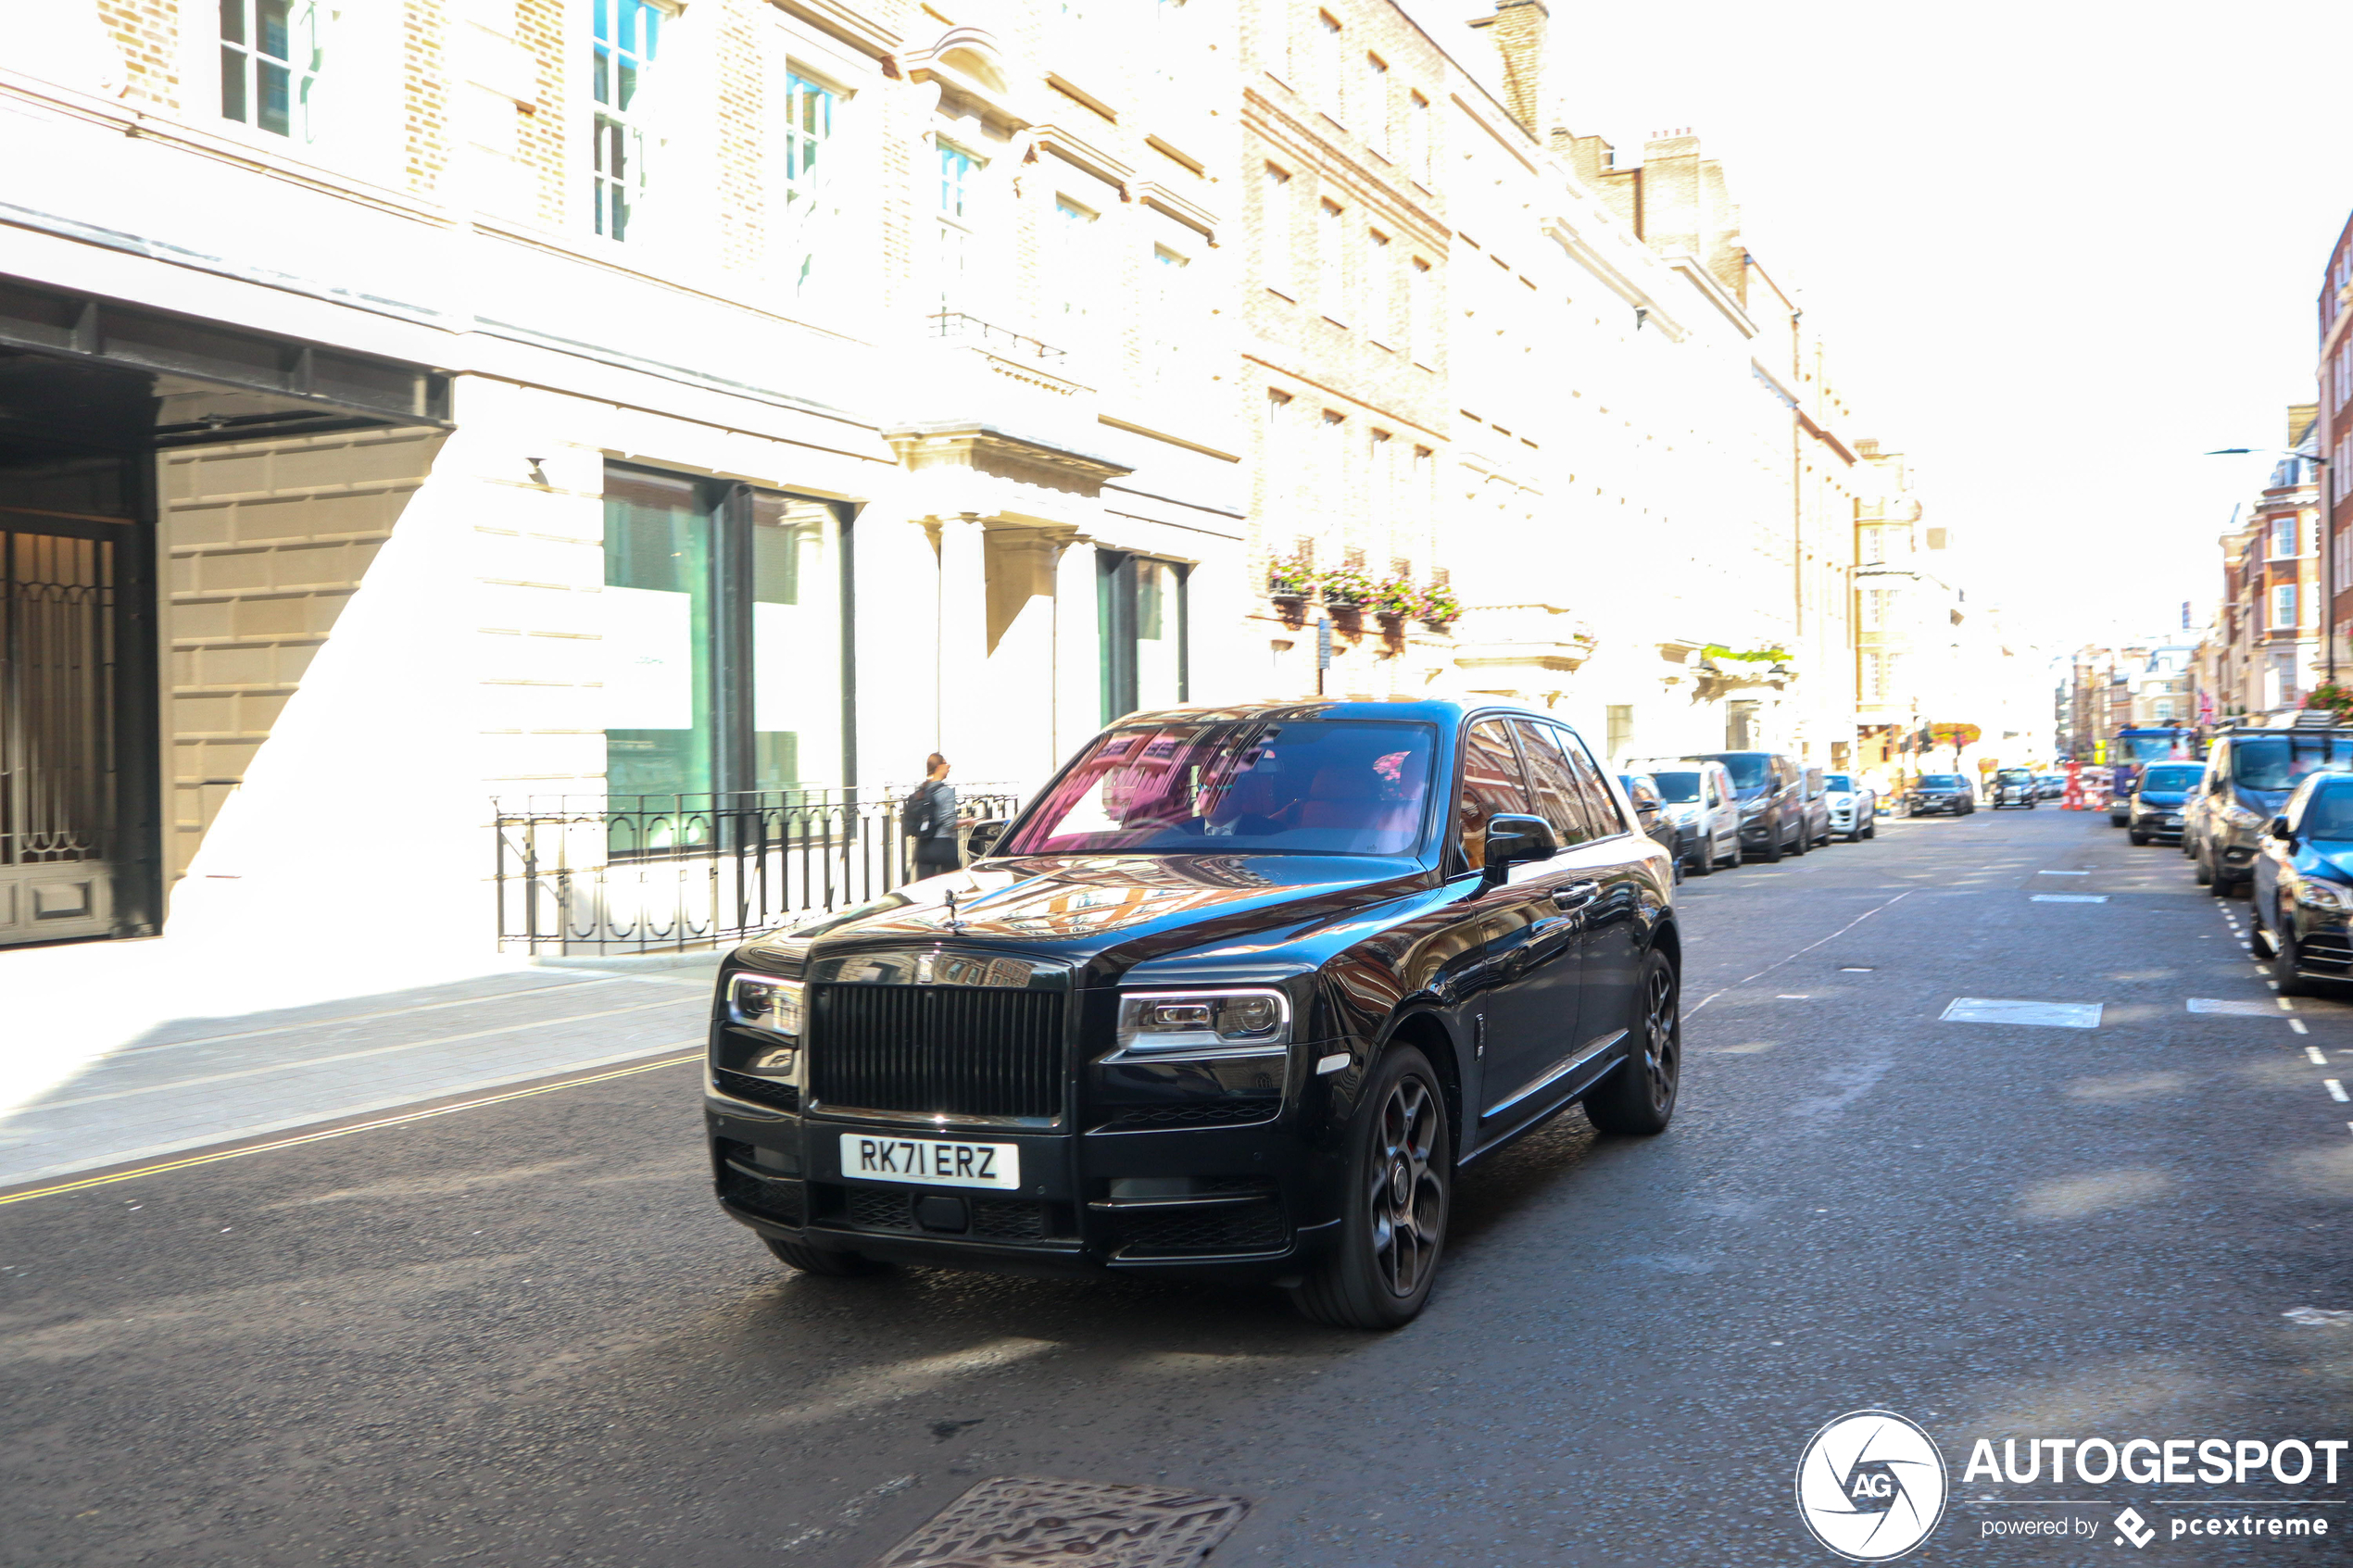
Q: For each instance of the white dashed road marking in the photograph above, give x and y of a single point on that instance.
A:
(2337, 1090)
(2071, 898)
(2316, 1056)
(2239, 1009)
(2297, 1025)
(2042, 1015)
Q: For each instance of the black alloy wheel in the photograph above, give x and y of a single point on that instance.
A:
(1638, 1099)
(1401, 1173)
(2284, 972)
(824, 1260)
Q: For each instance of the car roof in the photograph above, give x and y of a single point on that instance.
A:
(1299, 710)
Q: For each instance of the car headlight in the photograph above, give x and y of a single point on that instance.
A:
(1153, 1022)
(766, 1002)
(2240, 816)
(1752, 809)
(2324, 896)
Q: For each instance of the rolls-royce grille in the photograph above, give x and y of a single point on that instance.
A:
(937, 1050)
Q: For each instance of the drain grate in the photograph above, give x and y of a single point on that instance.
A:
(1011, 1521)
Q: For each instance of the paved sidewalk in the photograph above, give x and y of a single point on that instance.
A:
(197, 1081)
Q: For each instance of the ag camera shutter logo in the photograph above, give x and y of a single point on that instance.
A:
(1871, 1486)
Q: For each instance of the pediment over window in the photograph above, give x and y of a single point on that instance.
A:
(968, 62)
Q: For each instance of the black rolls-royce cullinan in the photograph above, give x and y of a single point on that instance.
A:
(1236, 995)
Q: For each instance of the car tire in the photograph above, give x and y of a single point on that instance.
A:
(1803, 841)
(1872, 831)
(2283, 975)
(2258, 939)
(1771, 853)
(1704, 859)
(1397, 1139)
(2137, 836)
(1638, 1098)
(2203, 871)
(823, 1261)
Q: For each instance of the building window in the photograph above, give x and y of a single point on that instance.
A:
(1331, 266)
(1331, 467)
(1330, 67)
(1077, 274)
(269, 64)
(1423, 133)
(958, 206)
(1141, 615)
(1379, 290)
(1172, 316)
(2282, 538)
(2283, 604)
(1375, 109)
(628, 34)
(1274, 222)
(721, 612)
(1869, 548)
(811, 211)
(1421, 313)
(1871, 613)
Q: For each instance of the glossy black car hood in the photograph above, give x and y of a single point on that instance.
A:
(1106, 914)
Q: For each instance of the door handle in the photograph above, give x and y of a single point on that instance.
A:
(1576, 894)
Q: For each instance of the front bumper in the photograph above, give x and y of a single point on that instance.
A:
(1258, 1189)
(1928, 805)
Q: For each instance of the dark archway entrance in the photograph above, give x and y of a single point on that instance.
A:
(90, 392)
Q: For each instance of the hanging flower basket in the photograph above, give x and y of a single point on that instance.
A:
(1437, 609)
(1290, 581)
(1346, 592)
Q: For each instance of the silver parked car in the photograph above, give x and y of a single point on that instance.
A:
(1698, 797)
(1854, 807)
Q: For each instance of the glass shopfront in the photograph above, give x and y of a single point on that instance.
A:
(723, 638)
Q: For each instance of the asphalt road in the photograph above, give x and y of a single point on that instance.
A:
(522, 1334)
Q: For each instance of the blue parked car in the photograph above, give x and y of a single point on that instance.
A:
(2159, 795)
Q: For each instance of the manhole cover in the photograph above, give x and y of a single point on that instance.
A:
(1013, 1522)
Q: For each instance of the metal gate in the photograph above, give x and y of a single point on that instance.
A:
(59, 705)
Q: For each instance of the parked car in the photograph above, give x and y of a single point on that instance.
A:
(1934, 793)
(1650, 814)
(1701, 796)
(1772, 796)
(2157, 798)
(2050, 786)
(2301, 900)
(1817, 807)
(1854, 807)
(2012, 786)
(2248, 775)
(1236, 996)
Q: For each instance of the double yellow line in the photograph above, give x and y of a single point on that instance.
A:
(213, 1159)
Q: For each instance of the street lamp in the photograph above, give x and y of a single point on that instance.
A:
(2328, 578)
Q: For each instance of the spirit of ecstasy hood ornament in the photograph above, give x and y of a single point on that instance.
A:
(952, 924)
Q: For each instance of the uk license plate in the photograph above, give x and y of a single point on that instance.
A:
(931, 1161)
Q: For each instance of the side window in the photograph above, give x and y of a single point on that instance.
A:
(1601, 807)
(1491, 786)
(1715, 797)
(1558, 798)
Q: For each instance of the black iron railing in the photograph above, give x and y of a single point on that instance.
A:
(957, 326)
(645, 872)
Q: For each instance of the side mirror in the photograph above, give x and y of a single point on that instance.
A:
(983, 835)
(1512, 838)
(2279, 828)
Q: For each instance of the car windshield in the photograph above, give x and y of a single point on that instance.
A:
(1238, 786)
(2015, 775)
(1677, 789)
(2153, 746)
(2168, 777)
(2329, 814)
(1838, 781)
(2278, 761)
(1942, 780)
(1750, 770)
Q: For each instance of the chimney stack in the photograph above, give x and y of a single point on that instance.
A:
(1518, 28)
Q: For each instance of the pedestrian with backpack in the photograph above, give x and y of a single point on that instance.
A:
(929, 817)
